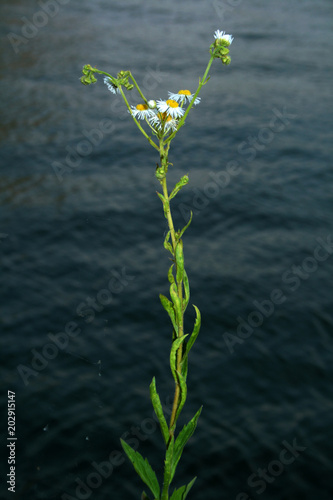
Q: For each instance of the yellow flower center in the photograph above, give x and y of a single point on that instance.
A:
(164, 117)
(141, 107)
(184, 92)
(172, 104)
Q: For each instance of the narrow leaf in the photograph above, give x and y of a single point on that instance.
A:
(182, 438)
(168, 462)
(180, 234)
(184, 365)
(155, 399)
(165, 204)
(186, 290)
(196, 330)
(183, 393)
(181, 493)
(168, 306)
(143, 469)
(183, 181)
(176, 301)
(179, 255)
(192, 339)
(170, 275)
(175, 346)
(167, 244)
(161, 197)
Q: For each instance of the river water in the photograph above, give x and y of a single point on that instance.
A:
(81, 242)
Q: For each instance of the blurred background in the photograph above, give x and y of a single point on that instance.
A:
(81, 243)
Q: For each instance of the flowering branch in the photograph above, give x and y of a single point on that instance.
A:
(165, 118)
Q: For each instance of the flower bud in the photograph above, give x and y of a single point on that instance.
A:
(128, 86)
(224, 42)
(224, 51)
(152, 104)
(88, 75)
(86, 69)
(160, 173)
(87, 80)
(226, 60)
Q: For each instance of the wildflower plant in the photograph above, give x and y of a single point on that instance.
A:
(163, 119)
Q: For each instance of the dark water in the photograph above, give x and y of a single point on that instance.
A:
(258, 252)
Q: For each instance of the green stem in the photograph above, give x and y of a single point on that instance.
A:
(128, 106)
(137, 123)
(201, 84)
(166, 480)
(165, 491)
(95, 70)
(138, 88)
(164, 162)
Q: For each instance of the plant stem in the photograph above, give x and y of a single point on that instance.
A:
(168, 214)
(136, 121)
(202, 82)
(180, 321)
(138, 88)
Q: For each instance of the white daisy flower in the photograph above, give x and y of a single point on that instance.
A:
(111, 86)
(221, 35)
(218, 34)
(163, 120)
(142, 111)
(184, 96)
(170, 107)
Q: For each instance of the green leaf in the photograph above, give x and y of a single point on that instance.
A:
(168, 462)
(167, 245)
(144, 496)
(186, 290)
(155, 399)
(176, 301)
(168, 306)
(161, 197)
(184, 365)
(182, 492)
(179, 255)
(178, 377)
(182, 438)
(180, 233)
(170, 275)
(173, 358)
(165, 203)
(183, 393)
(192, 339)
(143, 469)
(196, 330)
(183, 181)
